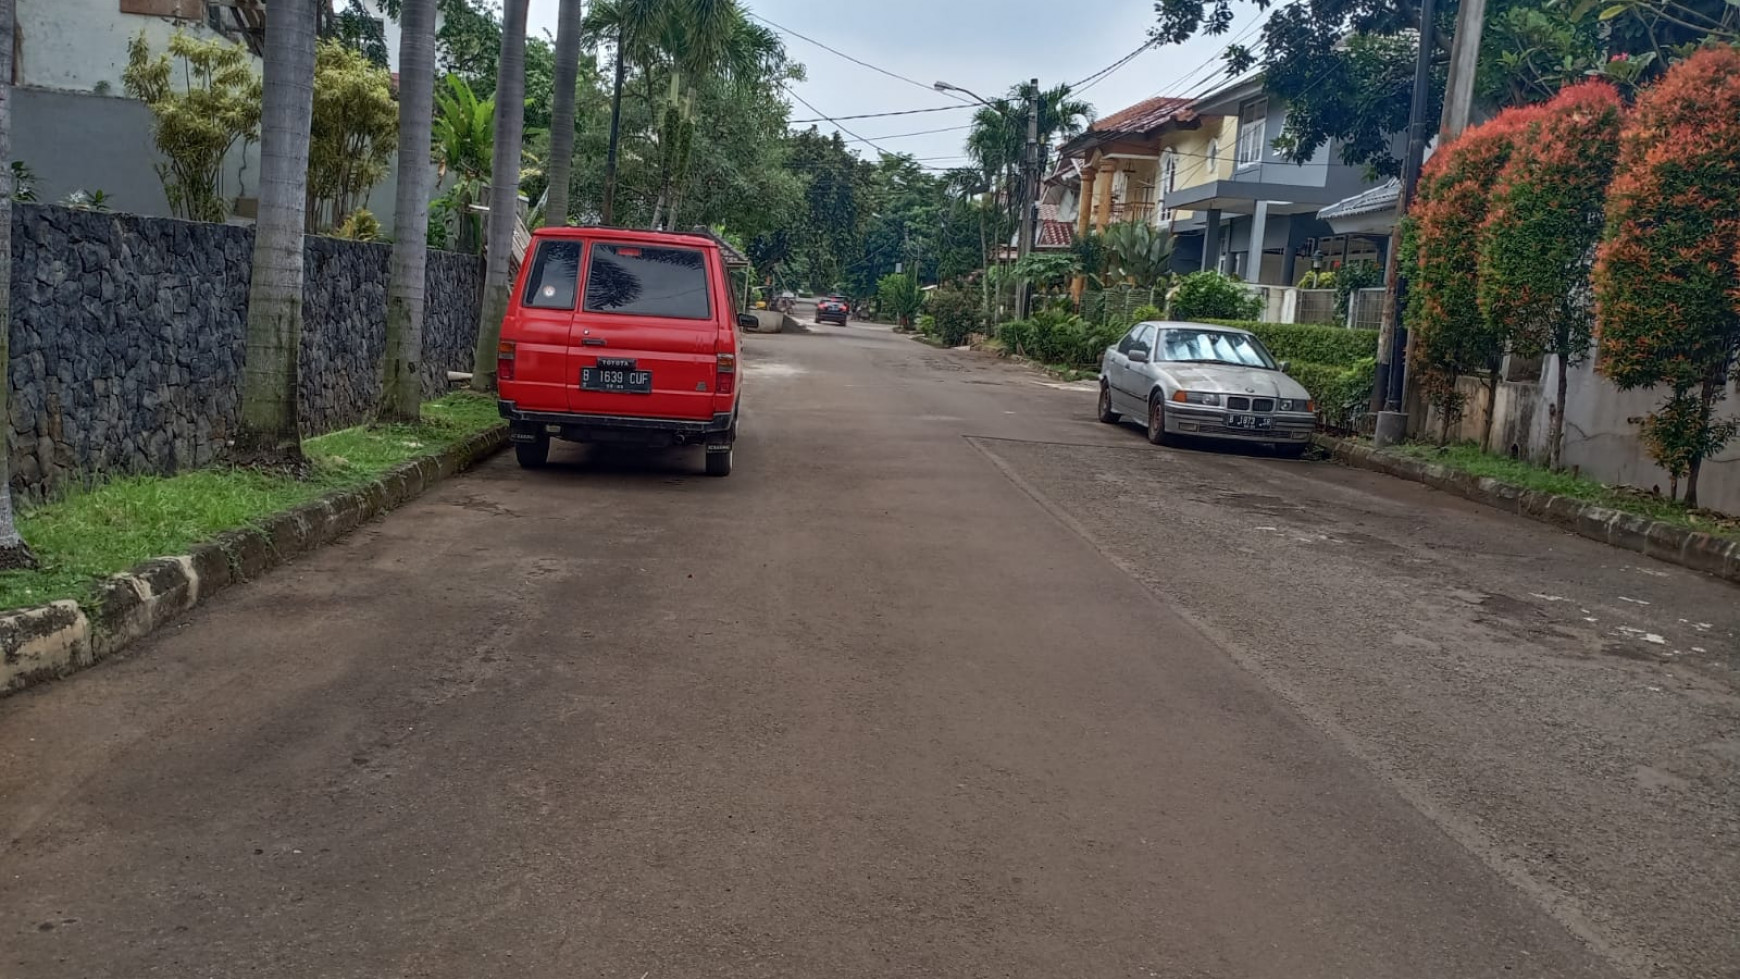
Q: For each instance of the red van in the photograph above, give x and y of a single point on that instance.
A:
(620, 336)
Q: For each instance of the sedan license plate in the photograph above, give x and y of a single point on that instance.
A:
(1248, 421)
(619, 377)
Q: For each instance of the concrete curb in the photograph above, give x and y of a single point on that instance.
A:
(1663, 541)
(51, 641)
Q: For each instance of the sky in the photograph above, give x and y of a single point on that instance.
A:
(983, 45)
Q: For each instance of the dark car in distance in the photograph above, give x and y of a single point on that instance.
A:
(833, 309)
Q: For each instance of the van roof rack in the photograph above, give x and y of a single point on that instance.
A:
(734, 259)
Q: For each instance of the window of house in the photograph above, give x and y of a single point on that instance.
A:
(1251, 117)
(179, 9)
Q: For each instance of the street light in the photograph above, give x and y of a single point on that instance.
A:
(946, 87)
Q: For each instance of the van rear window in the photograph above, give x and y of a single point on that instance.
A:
(648, 280)
(555, 270)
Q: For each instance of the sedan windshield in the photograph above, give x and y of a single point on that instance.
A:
(1213, 347)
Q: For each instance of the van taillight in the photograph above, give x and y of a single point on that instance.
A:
(504, 360)
(725, 379)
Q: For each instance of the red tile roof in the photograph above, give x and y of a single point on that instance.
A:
(1143, 116)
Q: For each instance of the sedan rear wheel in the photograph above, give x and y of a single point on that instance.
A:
(1107, 415)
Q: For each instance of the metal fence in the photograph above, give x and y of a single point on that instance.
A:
(1315, 306)
(1365, 308)
(1117, 306)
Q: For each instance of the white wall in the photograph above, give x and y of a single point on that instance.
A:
(1601, 436)
(81, 45)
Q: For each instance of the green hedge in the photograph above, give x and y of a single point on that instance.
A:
(1312, 343)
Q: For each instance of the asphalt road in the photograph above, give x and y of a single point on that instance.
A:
(946, 680)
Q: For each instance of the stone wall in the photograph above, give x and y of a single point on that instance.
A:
(127, 339)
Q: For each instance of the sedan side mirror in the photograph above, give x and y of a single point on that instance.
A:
(1286, 366)
(1138, 355)
(747, 321)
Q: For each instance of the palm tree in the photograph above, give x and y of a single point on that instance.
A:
(464, 138)
(694, 40)
(562, 112)
(14, 553)
(504, 191)
(402, 381)
(270, 434)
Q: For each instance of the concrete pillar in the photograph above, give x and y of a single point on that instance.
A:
(1084, 213)
(1103, 216)
(1259, 229)
(1211, 239)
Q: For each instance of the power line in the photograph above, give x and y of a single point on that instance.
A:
(857, 61)
(787, 89)
(884, 115)
(924, 132)
(1106, 72)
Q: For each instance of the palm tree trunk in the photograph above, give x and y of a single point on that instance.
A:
(562, 112)
(504, 188)
(608, 210)
(402, 376)
(14, 553)
(270, 432)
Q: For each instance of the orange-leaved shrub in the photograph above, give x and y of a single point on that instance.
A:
(1537, 245)
(1667, 313)
(1447, 334)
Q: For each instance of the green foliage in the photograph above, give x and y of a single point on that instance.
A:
(87, 200)
(463, 131)
(115, 526)
(1665, 273)
(23, 182)
(354, 131)
(1448, 335)
(1146, 314)
(955, 312)
(1342, 394)
(1056, 336)
(354, 27)
(1137, 253)
(1318, 279)
(1345, 67)
(1210, 295)
(359, 225)
(204, 99)
(897, 295)
(1046, 270)
(1470, 459)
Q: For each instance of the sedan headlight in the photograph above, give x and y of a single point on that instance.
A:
(1298, 404)
(1198, 398)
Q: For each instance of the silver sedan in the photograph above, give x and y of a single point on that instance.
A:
(1195, 379)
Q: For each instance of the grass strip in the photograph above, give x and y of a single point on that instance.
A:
(1468, 458)
(112, 527)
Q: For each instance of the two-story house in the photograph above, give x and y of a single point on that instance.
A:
(1239, 207)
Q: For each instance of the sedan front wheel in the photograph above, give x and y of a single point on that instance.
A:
(1157, 421)
(1107, 415)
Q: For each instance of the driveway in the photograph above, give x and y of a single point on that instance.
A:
(946, 680)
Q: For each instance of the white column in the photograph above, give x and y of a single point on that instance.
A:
(1259, 228)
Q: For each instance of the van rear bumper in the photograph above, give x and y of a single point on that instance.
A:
(529, 426)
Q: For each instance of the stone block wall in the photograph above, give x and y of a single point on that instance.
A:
(127, 340)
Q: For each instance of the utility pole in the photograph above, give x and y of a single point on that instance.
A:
(1029, 188)
(1392, 420)
(1464, 58)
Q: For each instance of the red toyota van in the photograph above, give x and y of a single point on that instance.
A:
(621, 336)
